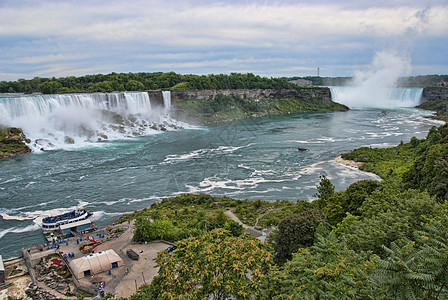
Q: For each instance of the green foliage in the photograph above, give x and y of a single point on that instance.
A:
(214, 265)
(280, 210)
(327, 270)
(397, 276)
(440, 106)
(192, 214)
(420, 164)
(12, 140)
(224, 108)
(325, 190)
(386, 215)
(430, 169)
(49, 87)
(158, 229)
(294, 232)
(417, 270)
(348, 201)
(385, 162)
(142, 81)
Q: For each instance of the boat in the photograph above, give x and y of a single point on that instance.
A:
(67, 223)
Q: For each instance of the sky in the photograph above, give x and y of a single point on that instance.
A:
(268, 38)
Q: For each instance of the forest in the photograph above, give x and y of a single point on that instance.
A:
(383, 239)
(142, 81)
(117, 82)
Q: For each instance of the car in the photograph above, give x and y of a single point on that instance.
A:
(170, 249)
(132, 255)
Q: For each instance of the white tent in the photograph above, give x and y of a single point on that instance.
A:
(95, 263)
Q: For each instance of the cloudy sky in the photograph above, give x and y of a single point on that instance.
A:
(269, 38)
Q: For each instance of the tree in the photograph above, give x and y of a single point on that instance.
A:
(419, 269)
(49, 87)
(134, 85)
(326, 270)
(348, 201)
(294, 232)
(324, 191)
(148, 230)
(214, 265)
(386, 215)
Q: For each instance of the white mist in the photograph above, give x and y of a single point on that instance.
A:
(375, 87)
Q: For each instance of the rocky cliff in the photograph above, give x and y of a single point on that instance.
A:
(436, 98)
(12, 142)
(435, 93)
(312, 93)
(210, 106)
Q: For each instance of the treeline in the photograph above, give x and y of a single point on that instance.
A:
(141, 82)
(376, 240)
(411, 81)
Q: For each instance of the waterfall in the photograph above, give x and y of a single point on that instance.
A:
(361, 97)
(73, 120)
(166, 99)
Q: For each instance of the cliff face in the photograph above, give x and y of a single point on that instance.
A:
(433, 93)
(318, 94)
(436, 98)
(210, 106)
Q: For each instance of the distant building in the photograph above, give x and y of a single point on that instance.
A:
(2, 271)
(302, 82)
(442, 83)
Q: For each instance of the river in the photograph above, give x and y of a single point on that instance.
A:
(252, 159)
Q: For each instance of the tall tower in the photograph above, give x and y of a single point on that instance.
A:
(318, 72)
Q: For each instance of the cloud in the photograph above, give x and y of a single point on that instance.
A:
(181, 36)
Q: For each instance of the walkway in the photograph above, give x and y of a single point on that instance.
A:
(249, 229)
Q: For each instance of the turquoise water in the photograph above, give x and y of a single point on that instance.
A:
(246, 159)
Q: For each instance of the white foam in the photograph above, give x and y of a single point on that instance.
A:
(10, 217)
(173, 158)
(31, 227)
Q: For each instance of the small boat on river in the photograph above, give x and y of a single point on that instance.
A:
(67, 223)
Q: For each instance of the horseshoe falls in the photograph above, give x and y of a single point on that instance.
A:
(376, 97)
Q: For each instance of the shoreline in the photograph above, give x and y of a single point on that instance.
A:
(354, 164)
(349, 163)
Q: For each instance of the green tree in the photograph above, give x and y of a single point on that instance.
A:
(234, 228)
(387, 215)
(214, 265)
(49, 87)
(326, 270)
(103, 86)
(148, 230)
(134, 85)
(324, 191)
(294, 232)
(348, 201)
(419, 269)
(221, 219)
